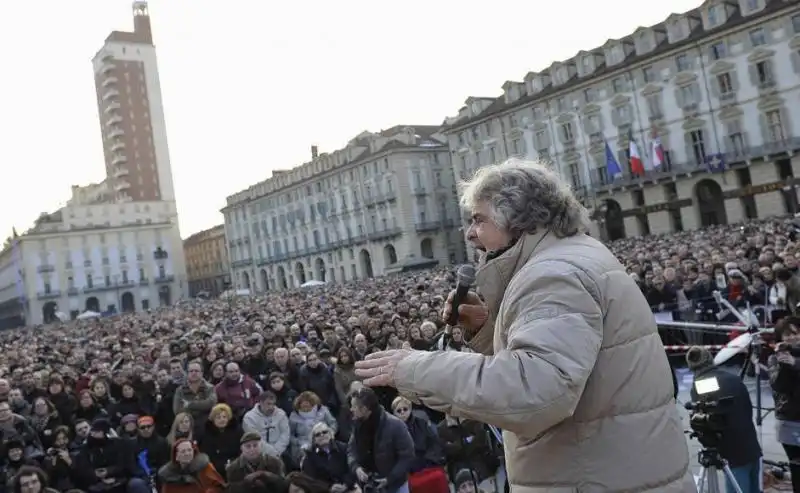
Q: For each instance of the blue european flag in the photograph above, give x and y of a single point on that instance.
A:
(613, 169)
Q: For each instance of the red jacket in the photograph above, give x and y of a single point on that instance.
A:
(241, 395)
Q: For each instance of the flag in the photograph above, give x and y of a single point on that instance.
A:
(658, 150)
(613, 171)
(637, 165)
(715, 163)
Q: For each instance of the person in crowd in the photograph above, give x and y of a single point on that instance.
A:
(58, 461)
(237, 390)
(258, 482)
(269, 422)
(182, 427)
(558, 308)
(284, 394)
(18, 403)
(44, 420)
(427, 447)
(308, 411)
(315, 376)
(326, 460)
(14, 426)
(738, 443)
(105, 463)
(380, 444)
(784, 378)
(196, 396)
(14, 460)
(251, 459)
(30, 479)
(467, 445)
(87, 408)
(220, 441)
(152, 450)
(189, 471)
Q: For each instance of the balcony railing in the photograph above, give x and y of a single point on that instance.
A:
(118, 159)
(111, 93)
(118, 145)
(427, 226)
(108, 81)
(49, 295)
(72, 292)
(164, 279)
(114, 133)
(120, 172)
(46, 268)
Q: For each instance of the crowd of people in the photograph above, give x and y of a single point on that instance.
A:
(252, 392)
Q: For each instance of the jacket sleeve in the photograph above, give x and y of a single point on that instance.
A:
(404, 453)
(330, 420)
(249, 423)
(352, 454)
(284, 434)
(177, 401)
(206, 404)
(555, 329)
(782, 378)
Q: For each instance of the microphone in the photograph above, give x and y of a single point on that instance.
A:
(465, 278)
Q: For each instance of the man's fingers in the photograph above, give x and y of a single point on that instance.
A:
(374, 356)
(451, 296)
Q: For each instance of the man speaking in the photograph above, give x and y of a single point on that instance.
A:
(569, 361)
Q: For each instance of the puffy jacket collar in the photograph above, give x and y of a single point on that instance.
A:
(493, 277)
(173, 473)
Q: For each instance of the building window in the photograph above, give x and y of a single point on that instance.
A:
(125, 277)
(698, 146)
(682, 62)
(647, 74)
(575, 175)
(47, 288)
(89, 281)
(687, 96)
(142, 276)
(654, 106)
(718, 50)
(796, 24)
(593, 124)
(725, 84)
(540, 139)
(764, 74)
(757, 37)
(618, 85)
(735, 139)
(589, 94)
(752, 5)
(713, 16)
(775, 126)
(566, 132)
(586, 64)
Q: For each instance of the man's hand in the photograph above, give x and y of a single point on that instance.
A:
(377, 369)
(338, 488)
(362, 475)
(65, 458)
(785, 357)
(472, 313)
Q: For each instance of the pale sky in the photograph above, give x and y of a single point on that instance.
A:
(250, 85)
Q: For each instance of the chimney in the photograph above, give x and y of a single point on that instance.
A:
(314, 152)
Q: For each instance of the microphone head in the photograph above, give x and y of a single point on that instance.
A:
(466, 274)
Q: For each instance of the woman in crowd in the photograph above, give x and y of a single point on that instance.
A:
(88, 408)
(326, 460)
(182, 427)
(44, 419)
(784, 377)
(308, 411)
(221, 438)
(427, 448)
(189, 471)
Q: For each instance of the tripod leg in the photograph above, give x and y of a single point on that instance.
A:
(702, 483)
(713, 480)
(746, 363)
(730, 477)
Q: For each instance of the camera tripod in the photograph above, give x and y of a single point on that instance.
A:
(712, 463)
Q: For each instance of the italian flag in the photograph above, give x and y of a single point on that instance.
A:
(637, 165)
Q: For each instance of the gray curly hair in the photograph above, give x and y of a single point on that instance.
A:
(524, 196)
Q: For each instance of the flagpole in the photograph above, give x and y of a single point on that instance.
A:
(638, 115)
(591, 191)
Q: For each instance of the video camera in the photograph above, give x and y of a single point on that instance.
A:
(708, 418)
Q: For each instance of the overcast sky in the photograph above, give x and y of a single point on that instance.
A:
(249, 86)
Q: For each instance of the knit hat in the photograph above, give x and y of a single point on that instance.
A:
(464, 476)
(146, 421)
(129, 418)
(250, 437)
(698, 358)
